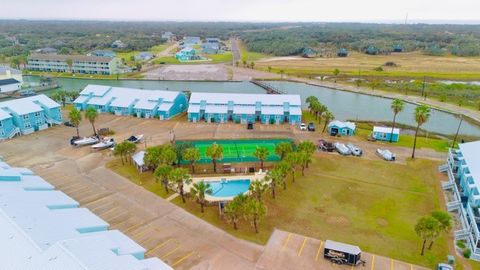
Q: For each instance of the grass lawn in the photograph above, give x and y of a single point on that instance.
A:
(70, 75)
(249, 56)
(220, 58)
(158, 48)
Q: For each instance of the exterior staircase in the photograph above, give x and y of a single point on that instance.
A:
(52, 121)
(15, 132)
(461, 234)
(443, 168)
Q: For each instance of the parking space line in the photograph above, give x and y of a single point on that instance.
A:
(109, 211)
(133, 227)
(391, 264)
(170, 252)
(411, 267)
(159, 245)
(183, 258)
(302, 246)
(140, 233)
(286, 241)
(373, 261)
(318, 251)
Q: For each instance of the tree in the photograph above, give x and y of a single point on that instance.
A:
(282, 149)
(162, 173)
(335, 73)
(198, 192)
(426, 228)
(274, 178)
(258, 188)
(374, 84)
(293, 160)
(309, 148)
(152, 156)
(252, 65)
(130, 149)
(73, 94)
(444, 221)
(91, 114)
(234, 209)
(119, 150)
(215, 152)
(320, 110)
(254, 211)
(168, 155)
(15, 63)
(75, 118)
(60, 96)
(328, 117)
(283, 169)
(261, 152)
(422, 113)
(397, 106)
(124, 150)
(311, 100)
(180, 151)
(269, 69)
(304, 159)
(192, 154)
(179, 177)
(69, 64)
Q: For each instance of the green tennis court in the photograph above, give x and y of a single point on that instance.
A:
(237, 150)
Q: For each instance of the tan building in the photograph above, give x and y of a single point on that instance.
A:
(73, 63)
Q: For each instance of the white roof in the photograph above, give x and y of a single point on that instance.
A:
(386, 130)
(216, 109)
(244, 109)
(329, 244)
(42, 228)
(125, 97)
(341, 124)
(273, 110)
(4, 115)
(193, 108)
(471, 154)
(296, 110)
(245, 99)
(138, 158)
(28, 105)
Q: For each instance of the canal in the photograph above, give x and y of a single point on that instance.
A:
(344, 105)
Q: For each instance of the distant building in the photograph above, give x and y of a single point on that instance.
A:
(372, 50)
(79, 64)
(212, 40)
(27, 115)
(10, 73)
(103, 53)
(343, 52)
(47, 50)
(43, 228)
(341, 128)
(168, 36)
(385, 133)
(244, 108)
(191, 41)
(144, 56)
(9, 85)
(398, 48)
(210, 48)
(118, 44)
(132, 102)
(186, 54)
(308, 53)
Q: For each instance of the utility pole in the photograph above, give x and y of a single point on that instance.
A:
(458, 130)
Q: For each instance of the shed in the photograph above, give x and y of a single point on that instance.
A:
(138, 160)
(385, 133)
(372, 50)
(398, 48)
(337, 127)
(9, 85)
(343, 52)
(308, 53)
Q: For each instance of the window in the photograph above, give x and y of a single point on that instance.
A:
(37, 114)
(2, 133)
(40, 122)
(27, 125)
(1, 123)
(25, 116)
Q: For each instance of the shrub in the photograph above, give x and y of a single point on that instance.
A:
(467, 253)
(461, 244)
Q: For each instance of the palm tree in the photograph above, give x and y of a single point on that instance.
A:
(293, 161)
(254, 211)
(215, 152)
(258, 188)
(335, 73)
(282, 149)
(192, 155)
(198, 192)
(397, 106)
(311, 100)
(444, 221)
(119, 150)
(75, 118)
(422, 113)
(162, 173)
(234, 209)
(308, 147)
(304, 159)
(152, 156)
(179, 177)
(130, 149)
(274, 178)
(321, 110)
(91, 114)
(168, 155)
(283, 169)
(261, 152)
(69, 64)
(328, 116)
(426, 228)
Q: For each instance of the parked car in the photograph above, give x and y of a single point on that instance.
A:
(386, 154)
(311, 126)
(325, 146)
(250, 126)
(68, 124)
(355, 150)
(303, 126)
(342, 149)
(444, 266)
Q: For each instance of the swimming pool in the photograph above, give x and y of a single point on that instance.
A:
(229, 188)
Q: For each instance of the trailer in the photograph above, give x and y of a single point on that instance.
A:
(341, 253)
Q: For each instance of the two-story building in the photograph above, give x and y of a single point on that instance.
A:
(134, 102)
(244, 108)
(73, 63)
(27, 115)
(463, 169)
(186, 54)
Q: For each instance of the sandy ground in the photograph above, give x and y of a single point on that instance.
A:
(165, 230)
(211, 72)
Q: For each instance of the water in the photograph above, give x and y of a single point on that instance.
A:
(229, 188)
(345, 105)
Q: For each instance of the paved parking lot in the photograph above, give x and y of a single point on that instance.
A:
(165, 230)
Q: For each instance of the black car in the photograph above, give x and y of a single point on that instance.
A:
(311, 126)
(68, 124)
(250, 126)
(325, 146)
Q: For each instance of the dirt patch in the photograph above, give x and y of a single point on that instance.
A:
(382, 222)
(338, 221)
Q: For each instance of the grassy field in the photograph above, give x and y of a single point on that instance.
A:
(211, 59)
(250, 56)
(407, 65)
(220, 58)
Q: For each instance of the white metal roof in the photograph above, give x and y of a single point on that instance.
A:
(386, 130)
(471, 154)
(244, 109)
(41, 228)
(245, 99)
(138, 158)
(329, 244)
(216, 109)
(192, 108)
(341, 124)
(296, 111)
(4, 115)
(273, 110)
(28, 105)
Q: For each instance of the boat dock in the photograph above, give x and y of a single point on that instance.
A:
(268, 88)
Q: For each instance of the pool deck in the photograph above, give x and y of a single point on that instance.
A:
(252, 177)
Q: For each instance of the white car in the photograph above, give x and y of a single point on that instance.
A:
(354, 149)
(303, 126)
(342, 149)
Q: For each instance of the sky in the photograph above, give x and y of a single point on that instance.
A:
(463, 11)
